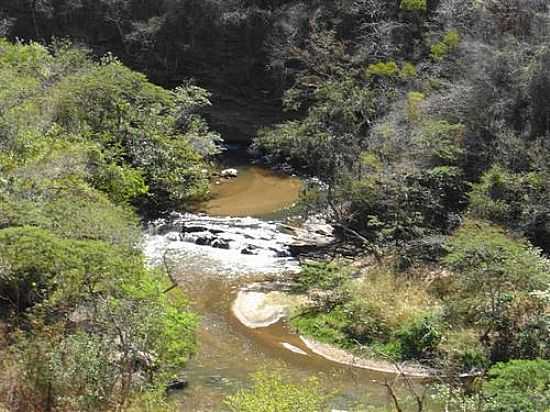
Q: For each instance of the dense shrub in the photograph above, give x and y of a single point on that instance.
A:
(88, 326)
(517, 200)
(499, 285)
(518, 386)
(419, 337)
(270, 392)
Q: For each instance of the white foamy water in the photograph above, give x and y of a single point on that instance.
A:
(220, 245)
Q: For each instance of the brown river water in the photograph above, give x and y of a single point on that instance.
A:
(228, 351)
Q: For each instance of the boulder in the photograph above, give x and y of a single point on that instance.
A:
(204, 240)
(220, 243)
(280, 253)
(177, 384)
(229, 173)
(193, 229)
(250, 250)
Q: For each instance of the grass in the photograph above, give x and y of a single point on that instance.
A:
(381, 311)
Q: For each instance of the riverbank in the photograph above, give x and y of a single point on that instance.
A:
(343, 357)
(256, 309)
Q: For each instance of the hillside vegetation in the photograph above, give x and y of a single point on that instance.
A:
(85, 325)
(428, 122)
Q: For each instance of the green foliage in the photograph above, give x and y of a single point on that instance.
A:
(141, 127)
(320, 275)
(90, 327)
(383, 69)
(518, 386)
(397, 166)
(464, 351)
(414, 5)
(76, 212)
(484, 248)
(400, 209)
(408, 71)
(327, 327)
(452, 39)
(419, 337)
(271, 393)
(497, 288)
(127, 318)
(389, 318)
(518, 200)
(123, 184)
(414, 99)
(440, 143)
(449, 43)
(137, 136)
(323, 143)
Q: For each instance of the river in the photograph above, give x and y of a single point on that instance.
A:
(212, 276)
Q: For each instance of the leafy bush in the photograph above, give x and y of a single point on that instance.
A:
(373, 312)
(89, 326)
(419, 337)
(464, 351)
(381, 69)
(399, 209)
(127, 322)
(414, 99)
(498, 287)
(517, 200)
(414, 5)
(141, 136)
(321, 275)
(446, 45)
(518, 386)
(270, 392)
(408, 71)
(328, 327)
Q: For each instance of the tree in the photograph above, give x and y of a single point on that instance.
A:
(498, 286)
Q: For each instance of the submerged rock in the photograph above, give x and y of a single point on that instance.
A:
(217, 380)
(250, 250)
(204, 240)
(234, 244)
(256, 309)
(221, 245)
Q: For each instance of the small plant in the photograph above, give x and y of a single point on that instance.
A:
(414, 5)
(414, 100)
(419, 337)
(381, 69)
(408, 71)
(446, 45)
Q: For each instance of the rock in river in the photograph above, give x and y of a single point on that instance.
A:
(177, 384)
(229, 173)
